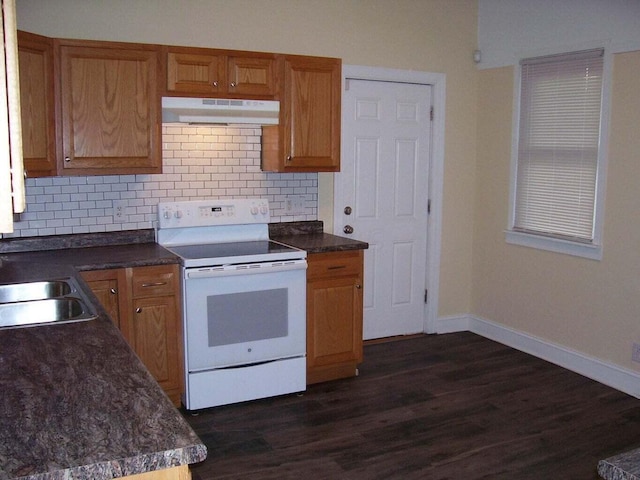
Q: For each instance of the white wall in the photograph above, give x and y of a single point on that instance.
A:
(586, 307)
(435, 36)
(512, 29)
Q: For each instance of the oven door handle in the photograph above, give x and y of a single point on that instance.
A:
(245, 269)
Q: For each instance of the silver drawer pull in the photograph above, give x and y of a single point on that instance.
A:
(154, 284)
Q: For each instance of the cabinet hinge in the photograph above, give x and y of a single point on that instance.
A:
(431, 115)
(426, 295)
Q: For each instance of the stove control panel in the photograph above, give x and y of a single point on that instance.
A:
(204, 213)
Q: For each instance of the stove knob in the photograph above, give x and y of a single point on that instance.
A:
(254, 210)
(264, 209)
(178, 214)
(167, 214)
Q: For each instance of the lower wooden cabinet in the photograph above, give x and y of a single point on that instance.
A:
(174, 473)
(144, 302)
(334, 315)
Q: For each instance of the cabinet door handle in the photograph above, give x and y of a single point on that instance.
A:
(138, 310)
(67, 159)
(214, 83)
(233, 84)
(113, 291)
(153, 284)
(358, 286)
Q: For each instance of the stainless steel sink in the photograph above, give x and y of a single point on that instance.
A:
(35, 312)
(43, 302)
(22, 292)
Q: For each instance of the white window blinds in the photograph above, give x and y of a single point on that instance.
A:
(559, 132)
(12, 198)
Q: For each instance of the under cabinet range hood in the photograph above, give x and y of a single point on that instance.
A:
(219, 110)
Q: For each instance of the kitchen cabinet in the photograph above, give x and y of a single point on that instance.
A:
(37, 103)
(308, 136)
(334, 315)
(221, 73)
(109, 107)
(154, 330)
(145, 304)
(110, 288)
(174, 473)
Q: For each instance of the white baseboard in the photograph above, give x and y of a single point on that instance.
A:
(614, 376)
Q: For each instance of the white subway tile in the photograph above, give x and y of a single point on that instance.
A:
(199, 162)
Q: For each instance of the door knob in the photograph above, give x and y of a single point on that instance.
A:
(347, 210)
(347, 229)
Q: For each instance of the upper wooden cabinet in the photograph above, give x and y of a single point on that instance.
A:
(308, 137)
(109, 107)
(94, 108)
(37, 103)
(221, 73)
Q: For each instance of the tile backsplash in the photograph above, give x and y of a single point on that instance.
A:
(199, 162)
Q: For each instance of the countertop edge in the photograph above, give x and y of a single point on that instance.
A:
(118, 468)
(619, 466)
(321, 242)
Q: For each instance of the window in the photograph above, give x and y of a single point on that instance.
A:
(558, 153)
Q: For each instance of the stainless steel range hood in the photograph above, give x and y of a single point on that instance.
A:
(219, 110)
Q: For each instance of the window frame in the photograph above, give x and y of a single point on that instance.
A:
(591, 250)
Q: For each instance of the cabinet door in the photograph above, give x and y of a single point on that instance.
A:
(35, 55)
(334, 315)
(334, 334)
(251, 76)
(194, 73)
(312, 113)
(154, 330)
(110, 287)
(110, 105)
(153, 336)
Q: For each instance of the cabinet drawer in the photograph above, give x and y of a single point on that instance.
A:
(154, 281)
(334, 264)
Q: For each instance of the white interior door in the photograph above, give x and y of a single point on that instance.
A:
(384, 179)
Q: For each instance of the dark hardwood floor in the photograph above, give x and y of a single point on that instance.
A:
(453, 406)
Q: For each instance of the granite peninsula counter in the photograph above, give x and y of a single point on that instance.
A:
(76, 402)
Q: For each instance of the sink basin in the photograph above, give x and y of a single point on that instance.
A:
(37, 312)
(22, 292)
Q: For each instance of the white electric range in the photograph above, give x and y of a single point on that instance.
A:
(244, 301)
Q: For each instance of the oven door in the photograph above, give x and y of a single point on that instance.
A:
(244, 314)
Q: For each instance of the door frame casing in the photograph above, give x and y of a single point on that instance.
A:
(437, 81)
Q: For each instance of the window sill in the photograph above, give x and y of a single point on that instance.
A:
(593, 252)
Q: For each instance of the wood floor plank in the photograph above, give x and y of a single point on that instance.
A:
(429, 407)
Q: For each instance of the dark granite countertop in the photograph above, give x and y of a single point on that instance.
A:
(76, 401)
(310, 237)
(625, 466)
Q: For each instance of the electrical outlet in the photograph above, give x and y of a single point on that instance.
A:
(119, 211)
(635, 352)
(294, 204)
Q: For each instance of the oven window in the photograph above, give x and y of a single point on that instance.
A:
(247, 316)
